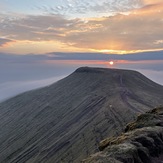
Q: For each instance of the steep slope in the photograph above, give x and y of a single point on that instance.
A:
(64, 122)
(142, 143)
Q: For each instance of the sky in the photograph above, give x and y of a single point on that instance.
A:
(118, 26)
(43, 41)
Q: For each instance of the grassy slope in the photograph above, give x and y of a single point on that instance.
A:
(66, 121)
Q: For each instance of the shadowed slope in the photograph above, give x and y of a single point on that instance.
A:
(64, 122)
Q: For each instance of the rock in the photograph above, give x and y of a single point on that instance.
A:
(142, 142)
(151, 118)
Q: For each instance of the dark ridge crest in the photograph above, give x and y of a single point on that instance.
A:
(90, 70)
(100, 70)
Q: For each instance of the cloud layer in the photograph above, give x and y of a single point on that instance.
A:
(83, 8)
(138, 30)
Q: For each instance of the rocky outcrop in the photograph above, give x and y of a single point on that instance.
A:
(142, 142)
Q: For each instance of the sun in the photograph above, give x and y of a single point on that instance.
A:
(111, 63)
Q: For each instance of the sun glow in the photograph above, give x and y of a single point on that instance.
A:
(111, 63)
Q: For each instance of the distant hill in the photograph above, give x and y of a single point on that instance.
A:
(65, 122)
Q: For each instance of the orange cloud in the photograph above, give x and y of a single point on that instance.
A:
(76, 62)
(5, 42)
(140, 62)
(37, 47)
(139, 30)
(148, 2)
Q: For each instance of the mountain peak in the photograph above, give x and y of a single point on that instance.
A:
(91, 70)
(101, 70)
(113, 72)
(65, 121)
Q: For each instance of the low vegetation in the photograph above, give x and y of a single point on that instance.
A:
(142, 142)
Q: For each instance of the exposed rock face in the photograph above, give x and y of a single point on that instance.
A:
(66, 121)
(142, 143)
(151, 118)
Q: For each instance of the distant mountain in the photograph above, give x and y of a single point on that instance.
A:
(65, 121)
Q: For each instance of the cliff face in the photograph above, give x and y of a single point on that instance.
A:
(141, 143)
(65, 121)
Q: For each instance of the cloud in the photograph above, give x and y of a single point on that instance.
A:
(155, 55)
(83, 8)
(38, 67)
(140, 30)
(4, 41)
(117, 6)
(38, 28)
(149, 2)
(9, 89)
(31, 58)
(137, 31)
(156, 76)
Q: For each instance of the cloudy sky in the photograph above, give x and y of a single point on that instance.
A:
(119, 26)
(43, 40)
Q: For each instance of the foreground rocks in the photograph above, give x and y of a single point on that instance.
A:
(142, 142)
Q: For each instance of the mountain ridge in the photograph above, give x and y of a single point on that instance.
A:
(65, 122)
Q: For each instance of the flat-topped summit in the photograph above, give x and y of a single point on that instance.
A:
(121, 73)
(101, 70)
(65, 122)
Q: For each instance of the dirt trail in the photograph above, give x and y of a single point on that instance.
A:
(125, 93)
